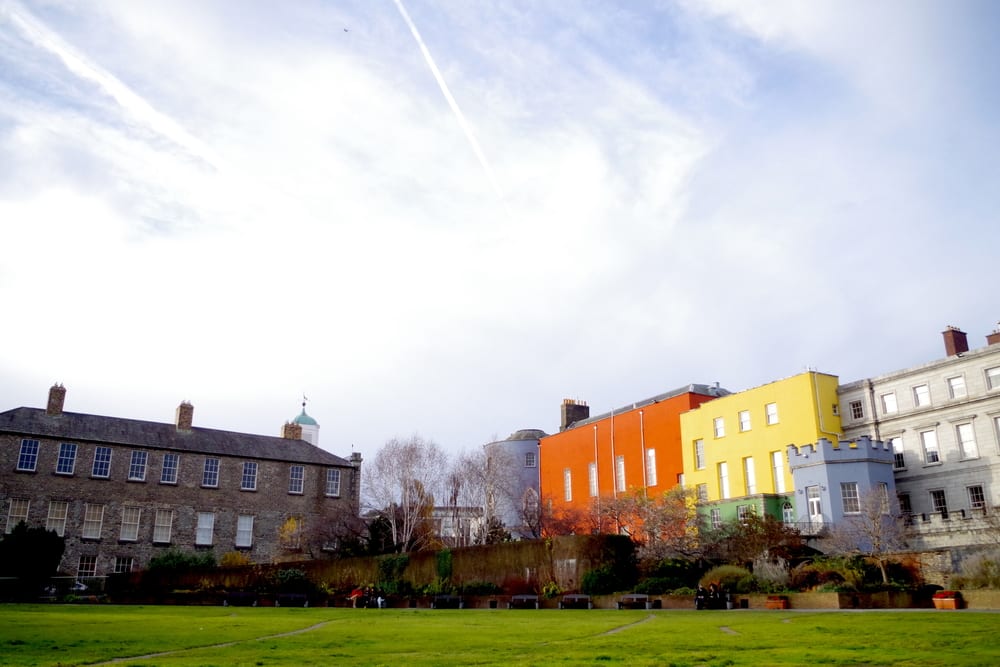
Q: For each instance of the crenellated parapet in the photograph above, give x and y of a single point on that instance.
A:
(864, 449)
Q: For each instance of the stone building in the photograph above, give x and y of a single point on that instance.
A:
(514, 492)
(122, 491)
(942, 421)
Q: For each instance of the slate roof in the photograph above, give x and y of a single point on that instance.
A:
(73, 426)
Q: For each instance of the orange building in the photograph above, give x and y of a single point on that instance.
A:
(634, 447)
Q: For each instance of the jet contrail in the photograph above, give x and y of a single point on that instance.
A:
(451, 100)
(40, 35)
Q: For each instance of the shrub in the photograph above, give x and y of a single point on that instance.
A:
(979, 571)
(551, 589)
(684, 590)
(656, 585)
(444, 564)
(174, 560)
(234, 559)
(729, 577)
(480, 588)
(604, 579)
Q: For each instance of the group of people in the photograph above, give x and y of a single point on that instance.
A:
(367, 598)
(714, 597)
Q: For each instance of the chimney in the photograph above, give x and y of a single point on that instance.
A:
(994, 338)
(57, 396)
(572, 411)
(955, 341)
(355, 459)
(185, 415)
(291, 431)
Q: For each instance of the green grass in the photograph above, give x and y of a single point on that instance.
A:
(82, 635)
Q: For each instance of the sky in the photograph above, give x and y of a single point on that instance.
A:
(444, 217)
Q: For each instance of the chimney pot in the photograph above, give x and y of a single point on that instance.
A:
(185, 416)
(57, 396)
(955, 341)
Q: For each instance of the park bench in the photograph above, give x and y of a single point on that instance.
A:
(240, 599)
(576, 601)
(523, 602)
(447, 602)
(634, 601)
(293, 600)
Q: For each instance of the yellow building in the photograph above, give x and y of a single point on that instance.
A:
(735, 446)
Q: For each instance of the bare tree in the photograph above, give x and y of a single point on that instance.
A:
(341, 533)
(876, 531)
(401, 483)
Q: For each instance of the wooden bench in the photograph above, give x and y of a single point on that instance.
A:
(447, 602)
(634, 601)
(240, 599)
(574, 601)
(523, 602)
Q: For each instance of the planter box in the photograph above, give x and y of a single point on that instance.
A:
(948, 600)
(776, 602)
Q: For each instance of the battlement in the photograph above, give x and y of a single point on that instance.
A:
(843, 451)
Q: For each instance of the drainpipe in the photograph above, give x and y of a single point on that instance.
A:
(871, 399)
(614, 460)
(597, 482)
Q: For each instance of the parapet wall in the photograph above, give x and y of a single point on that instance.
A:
(843, 451)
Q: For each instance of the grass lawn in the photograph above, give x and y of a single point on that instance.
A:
(84, 635)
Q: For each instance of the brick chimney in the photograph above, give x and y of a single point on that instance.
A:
(57, 396)
(185, 415)
(291, 431)
(994, 338)
(572, 411)
(955, 341)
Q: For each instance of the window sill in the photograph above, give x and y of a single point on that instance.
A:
(168, 483)
(295, 493)
(100, 477)
(932, 465)
(249, 490)
(32, 472)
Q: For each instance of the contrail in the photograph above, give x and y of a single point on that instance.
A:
(451, 100)
(40, 35)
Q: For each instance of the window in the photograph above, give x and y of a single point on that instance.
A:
(939, 503)
(93, 520)
(993, 378)
(87, 566)
(56, 521)
(296, 478)
(921, 396)
(332, 482)
(749, 476)
(744, 420)
(620, 473)
(123, 564)
(651, 467)
(883, 497)
(967, 441)
(719, 425)
(836, 409)
(699, 454)
(850, 498)
(898, 458)
(742, 512)
(889, 403)
(210, 477)
(204, 534)
(567, 485)
(716, 517)
(27, 459)
(137, 466)
(857, 410)
(66, 463)
(130, 524)
(956, 387)
(788, 513)
(168, 475)
(102, 462)
(592, 479)
(17, 512)
(771, 413)
(724, 480)
(162, 525)
(977, 499)
(290, 533)
(244, 531)
(778, 465)
(929, 441)
(249, 481)
(702, 492)
(905, 508)
(530, 460)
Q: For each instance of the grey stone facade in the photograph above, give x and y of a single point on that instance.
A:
(52, 474)
(943, 421)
